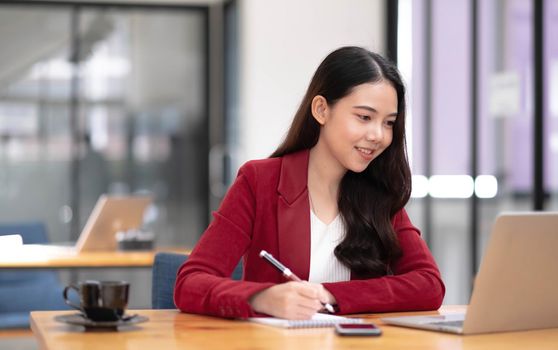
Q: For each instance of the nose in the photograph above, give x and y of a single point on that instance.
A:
(375, 132)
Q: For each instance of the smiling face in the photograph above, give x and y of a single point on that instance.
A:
(358, 127)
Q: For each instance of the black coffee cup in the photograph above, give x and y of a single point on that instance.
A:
(100, 300)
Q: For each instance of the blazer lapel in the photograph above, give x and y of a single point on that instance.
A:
(293, 214)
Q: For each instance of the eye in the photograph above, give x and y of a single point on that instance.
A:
(363, 117)
(390, 123)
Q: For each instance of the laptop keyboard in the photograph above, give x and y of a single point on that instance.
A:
(448, 323)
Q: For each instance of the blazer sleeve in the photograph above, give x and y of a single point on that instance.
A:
(203, 284)
(416, 283)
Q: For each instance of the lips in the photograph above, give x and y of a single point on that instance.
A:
(366, 153)
(364, 150)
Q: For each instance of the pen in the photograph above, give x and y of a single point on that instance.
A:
(287, 273)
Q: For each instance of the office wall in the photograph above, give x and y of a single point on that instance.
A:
(281, 43)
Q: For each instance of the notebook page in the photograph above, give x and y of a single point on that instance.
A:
(318, 320)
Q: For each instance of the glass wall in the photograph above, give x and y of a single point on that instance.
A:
(143, 116)
(551, 101)
(439, 143)
(104, 99)
(459, 189)
(35, 146)
(505, 107)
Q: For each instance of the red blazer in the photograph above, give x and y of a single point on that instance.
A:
(267, 208)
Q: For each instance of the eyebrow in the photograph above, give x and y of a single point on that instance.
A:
(373, 110)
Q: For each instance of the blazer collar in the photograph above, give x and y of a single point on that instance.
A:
(293, 214)
(293, 179)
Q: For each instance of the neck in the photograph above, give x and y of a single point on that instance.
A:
(324, 171)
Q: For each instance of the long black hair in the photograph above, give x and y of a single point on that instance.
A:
(368, 200)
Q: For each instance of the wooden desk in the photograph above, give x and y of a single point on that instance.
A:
(169, 329)
(57, 257)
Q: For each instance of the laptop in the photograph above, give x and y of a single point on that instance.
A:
(516, 288)
(110, 215)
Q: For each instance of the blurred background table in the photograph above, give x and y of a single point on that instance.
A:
(37, 256)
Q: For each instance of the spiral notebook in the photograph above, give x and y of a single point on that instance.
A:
(318, 320)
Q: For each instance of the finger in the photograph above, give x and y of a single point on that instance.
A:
(325, 296)
(298, 313)
(300, 308)
(296, 299)
(309, 290)
(305, 312)
(312, 305)
(304, 315)
(296, 295)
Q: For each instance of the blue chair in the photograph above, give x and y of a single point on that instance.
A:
(23, 291)
(165, 268)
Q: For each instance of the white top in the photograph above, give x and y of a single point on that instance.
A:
(324, 265)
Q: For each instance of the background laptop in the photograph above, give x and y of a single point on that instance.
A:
(517, 284)
(110, 215)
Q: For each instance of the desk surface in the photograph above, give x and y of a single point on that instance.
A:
(169, 329)
(56, 257)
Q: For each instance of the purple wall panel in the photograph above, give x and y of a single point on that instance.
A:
(487, 41)
(416, 93)
(450, 88)
(518, 58)
(551, 121)
(505, 147)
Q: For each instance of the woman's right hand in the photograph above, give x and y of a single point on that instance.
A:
(291, 300)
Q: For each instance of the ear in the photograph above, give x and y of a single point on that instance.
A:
(319, 109)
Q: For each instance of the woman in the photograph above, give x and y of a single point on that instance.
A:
(328, 203)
